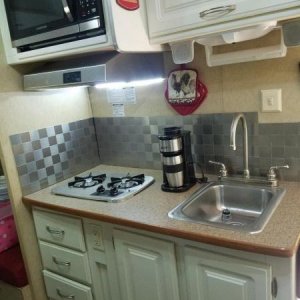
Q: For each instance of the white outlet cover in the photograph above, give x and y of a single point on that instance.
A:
(271, 100)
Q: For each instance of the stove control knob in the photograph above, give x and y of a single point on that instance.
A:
(101, 189)
(114, 191)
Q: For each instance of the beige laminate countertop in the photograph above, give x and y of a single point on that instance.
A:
(148, 210)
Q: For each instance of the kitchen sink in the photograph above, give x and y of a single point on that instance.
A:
(236, 206)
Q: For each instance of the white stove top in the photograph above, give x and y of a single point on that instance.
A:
(102, 191)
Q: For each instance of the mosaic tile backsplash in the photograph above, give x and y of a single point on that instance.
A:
(132, 141)
(49, 155)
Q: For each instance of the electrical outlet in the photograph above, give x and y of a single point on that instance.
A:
(97, 237)
(271, 100)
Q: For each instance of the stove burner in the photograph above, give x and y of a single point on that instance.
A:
(101, 189)
(126, 182)
(112, 188)
(87, 181)
(114, 191)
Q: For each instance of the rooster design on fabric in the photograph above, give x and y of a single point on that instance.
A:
(185, 92)
(183, 85)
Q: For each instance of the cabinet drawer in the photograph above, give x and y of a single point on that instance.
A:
(59, 229)
(60, 288)
(66, 262)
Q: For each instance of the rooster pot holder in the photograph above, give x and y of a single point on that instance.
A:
(185, 92)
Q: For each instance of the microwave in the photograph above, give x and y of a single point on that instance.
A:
(35, 24)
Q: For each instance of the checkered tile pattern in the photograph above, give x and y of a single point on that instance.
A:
(49, 155)
(133, 142)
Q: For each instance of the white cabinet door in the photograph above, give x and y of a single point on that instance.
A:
(146, 266)
(191, 18)
(212, 276)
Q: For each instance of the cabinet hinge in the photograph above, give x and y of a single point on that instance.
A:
(274, 287)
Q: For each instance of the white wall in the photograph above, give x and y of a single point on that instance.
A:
(231, 88)
(19, 112)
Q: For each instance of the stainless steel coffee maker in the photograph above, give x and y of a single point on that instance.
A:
(177, 160)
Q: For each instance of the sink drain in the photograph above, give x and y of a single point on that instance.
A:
(226, 215)
(227, 218)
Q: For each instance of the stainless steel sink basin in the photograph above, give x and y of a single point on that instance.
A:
(233, 206)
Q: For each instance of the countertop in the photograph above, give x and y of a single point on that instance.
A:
(149, 209)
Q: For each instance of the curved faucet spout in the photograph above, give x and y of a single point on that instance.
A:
(234, 124)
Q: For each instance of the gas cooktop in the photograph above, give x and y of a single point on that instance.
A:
(108, 187)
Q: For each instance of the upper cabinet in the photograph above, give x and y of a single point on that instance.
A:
(45, 30)
(176, 20)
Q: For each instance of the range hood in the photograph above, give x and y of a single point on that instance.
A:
(91, 70)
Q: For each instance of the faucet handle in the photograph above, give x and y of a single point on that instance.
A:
(223, 169)
(272, 174)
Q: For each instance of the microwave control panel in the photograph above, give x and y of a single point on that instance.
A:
(88, 9)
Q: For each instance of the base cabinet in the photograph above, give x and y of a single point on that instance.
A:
(121, 263)
(146, 266)
(214, 276)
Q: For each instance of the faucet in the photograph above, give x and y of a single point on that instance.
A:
(245, 140)
(272, 179)
(223, 169)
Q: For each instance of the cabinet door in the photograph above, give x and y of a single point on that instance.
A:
(192, 18)
(146, 266)
(212, 276)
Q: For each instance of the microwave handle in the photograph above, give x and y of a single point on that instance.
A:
(67, 10)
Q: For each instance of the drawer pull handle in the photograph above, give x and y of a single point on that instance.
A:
(61, 262)
(55, 231)
(61, 295)
(217, 11)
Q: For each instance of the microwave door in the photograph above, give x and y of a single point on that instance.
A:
(33, 21)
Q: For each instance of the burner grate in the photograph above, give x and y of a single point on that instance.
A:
(109, 187)
(126, 182)
(87, 181)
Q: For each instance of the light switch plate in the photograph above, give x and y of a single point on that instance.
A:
(271, 100)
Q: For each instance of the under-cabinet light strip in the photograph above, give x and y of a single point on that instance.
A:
(119, 85)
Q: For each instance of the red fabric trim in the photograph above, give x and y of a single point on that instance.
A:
(12, 269)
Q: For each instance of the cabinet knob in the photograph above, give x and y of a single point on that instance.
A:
(217, 12)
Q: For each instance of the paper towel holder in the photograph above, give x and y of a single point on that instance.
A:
(267, 52)
(183, 51)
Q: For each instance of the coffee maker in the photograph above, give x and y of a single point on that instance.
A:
(177, 160)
